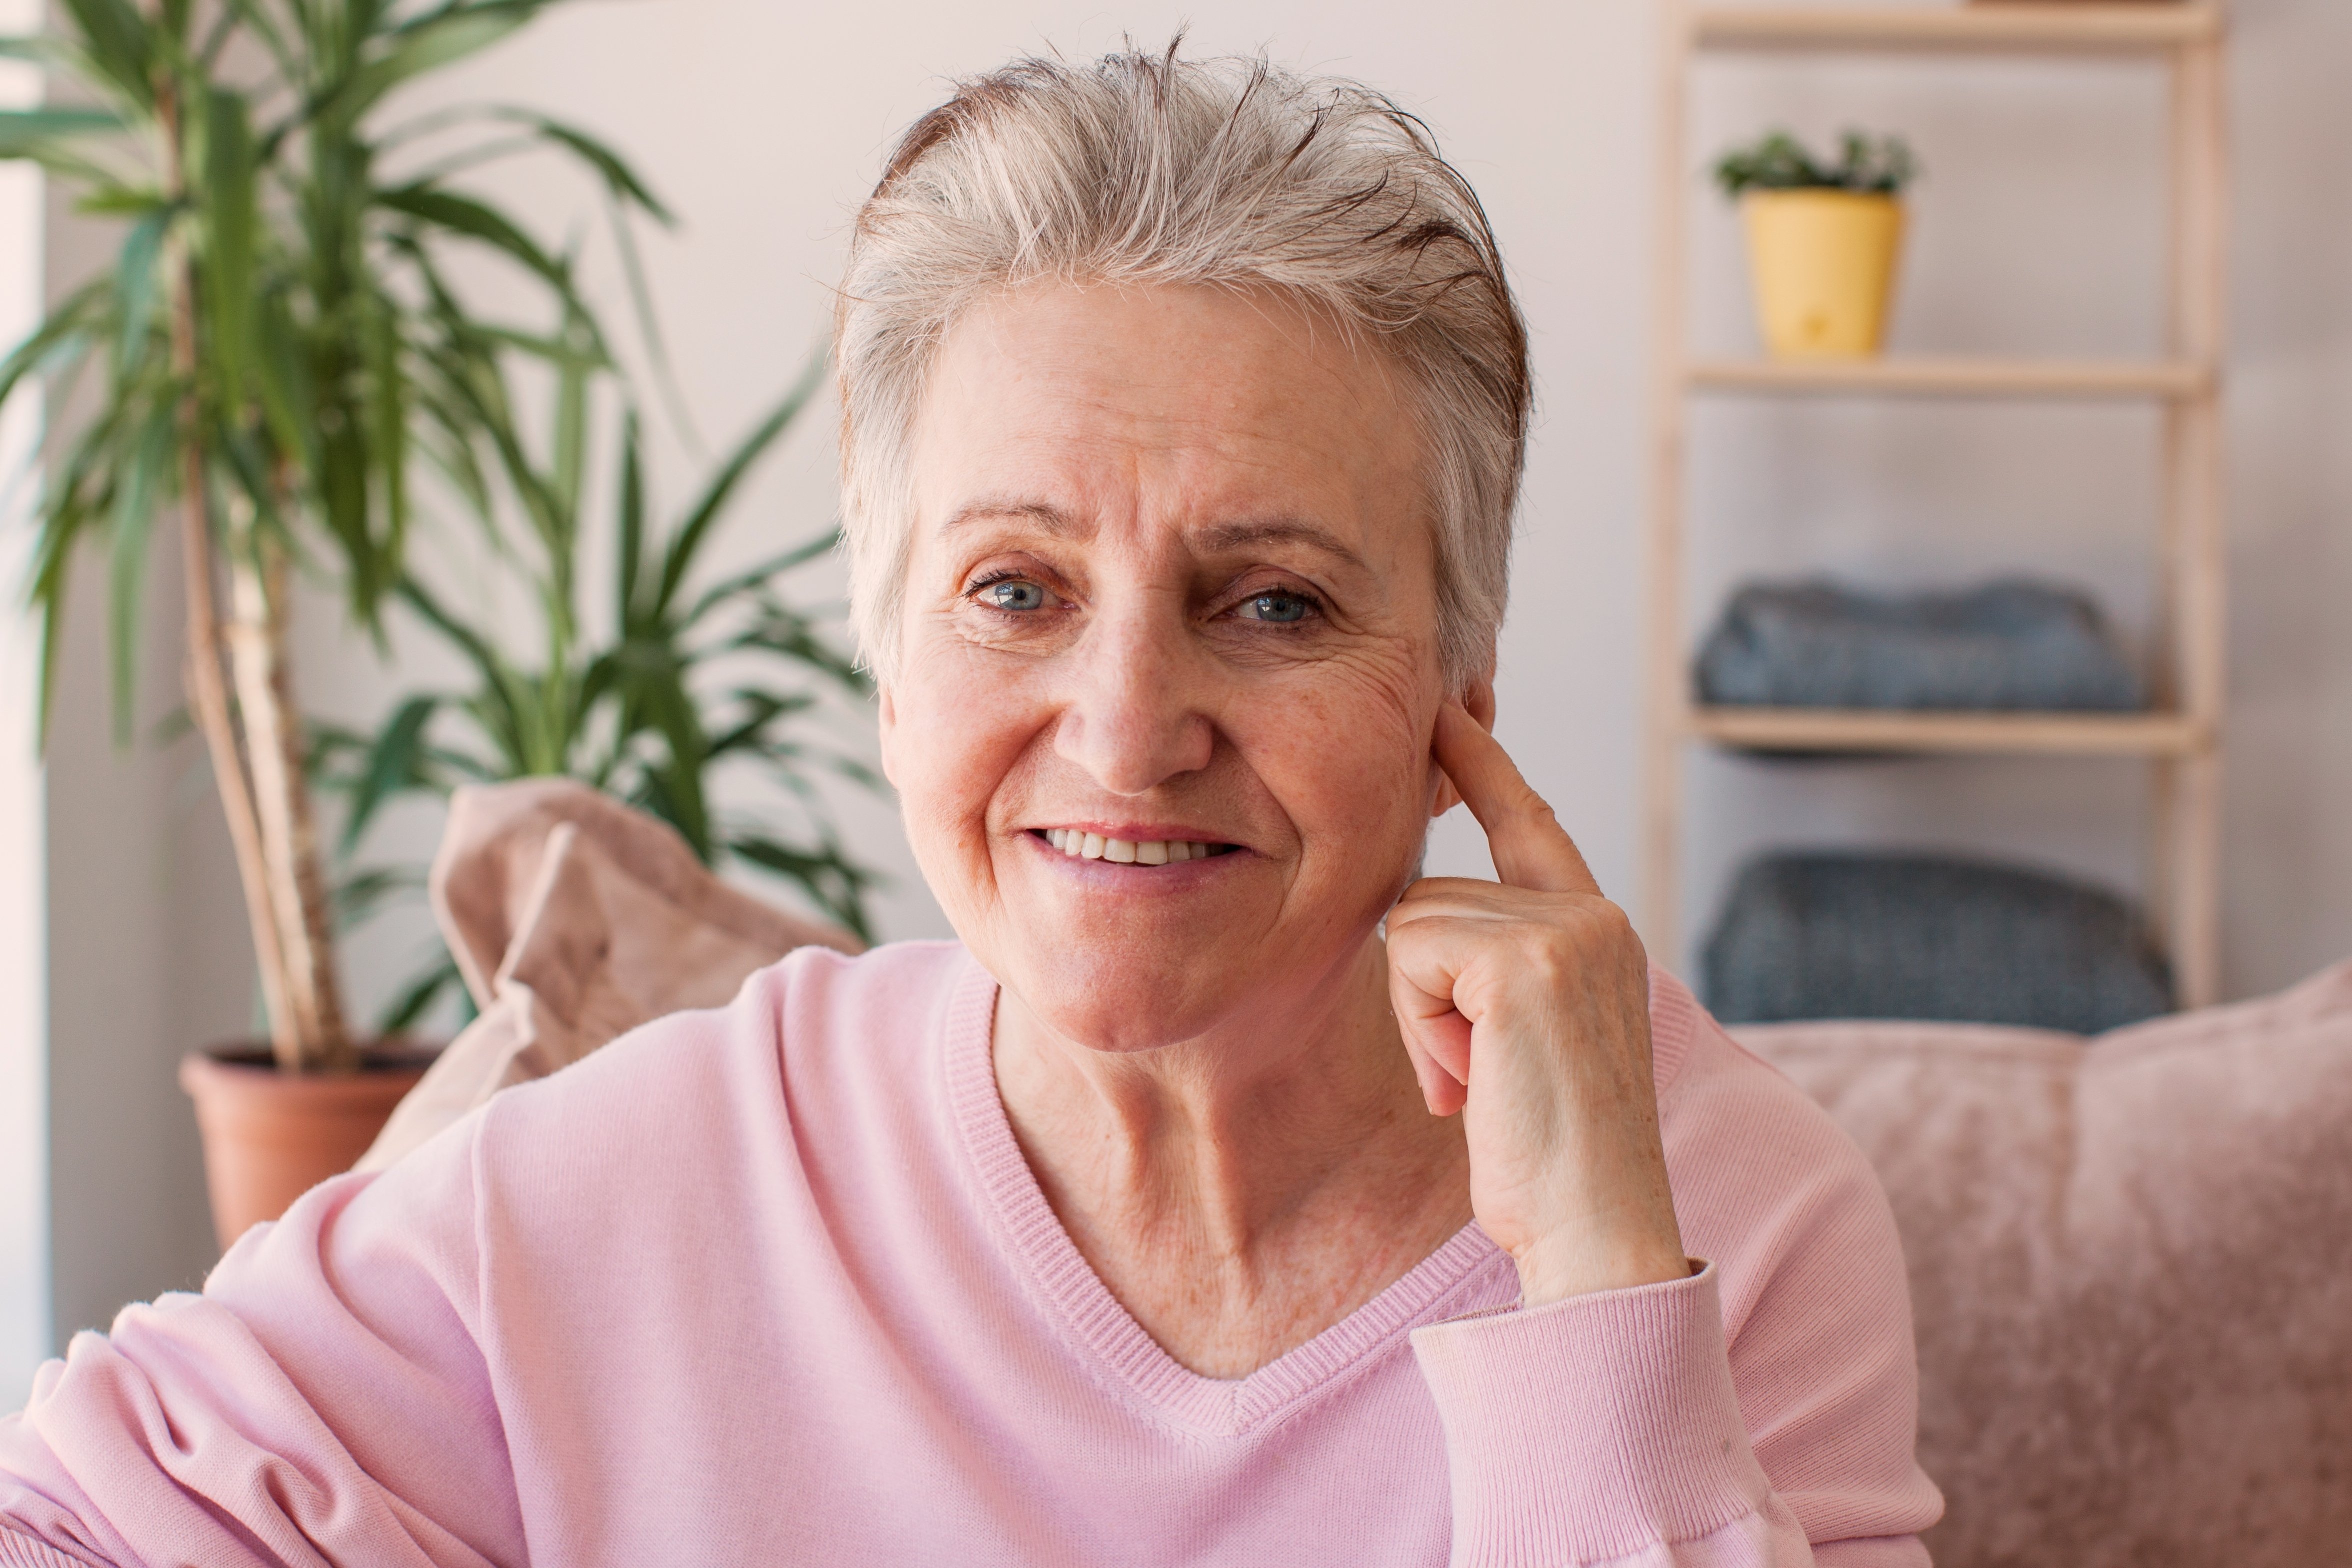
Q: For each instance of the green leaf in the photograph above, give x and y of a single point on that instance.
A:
(568, 467)
(471, 219)
(282, 376)
(497, 705)
(146, 480)
(67, 330)
(23, 132)
(836, 883)
(556, 351)
(51, 586)
(254, 20)
(118, 44)
(641, 302)
(689, 540)
(415, 999)
(631, 552)
(388, 405)
(427, 44)
(753, 578)
(396, 762)
(362, 895)
(620, 179)
(137, 274)
(114, 199)
(230, 217)
(673, 714)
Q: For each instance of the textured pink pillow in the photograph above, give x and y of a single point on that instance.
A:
(2131, 1267)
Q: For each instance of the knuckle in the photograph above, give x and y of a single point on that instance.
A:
(1551, 953)
(1610, 923)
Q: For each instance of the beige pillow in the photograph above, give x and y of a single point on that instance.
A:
(2131, 1269)
(574, 919)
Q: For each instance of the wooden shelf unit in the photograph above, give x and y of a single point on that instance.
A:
(2180, 739)
(1954, 377)
(2132, 26)
(1864, 732)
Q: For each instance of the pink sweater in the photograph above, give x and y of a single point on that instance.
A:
(773, 1284)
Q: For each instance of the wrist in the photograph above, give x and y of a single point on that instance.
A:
(1557, 1269)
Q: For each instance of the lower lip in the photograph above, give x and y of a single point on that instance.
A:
(1135, 877)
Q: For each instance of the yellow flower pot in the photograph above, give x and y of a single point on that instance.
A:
(1823, 263)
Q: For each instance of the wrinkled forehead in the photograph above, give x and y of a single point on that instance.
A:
(1234, 419)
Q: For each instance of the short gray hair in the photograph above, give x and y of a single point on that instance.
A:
(1145, 169)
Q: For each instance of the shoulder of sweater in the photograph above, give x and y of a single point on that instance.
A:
(1727, 1102)
(1763, 1176)
(807, 1013)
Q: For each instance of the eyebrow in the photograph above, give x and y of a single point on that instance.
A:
(1222, 536)
(1052, 519)
(1279, 531)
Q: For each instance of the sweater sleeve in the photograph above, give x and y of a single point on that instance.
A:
(1762, 1411)
(325, 1399)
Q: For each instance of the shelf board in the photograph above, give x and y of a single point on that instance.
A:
(1954, 377)
(2136, 26)
(1834, 730)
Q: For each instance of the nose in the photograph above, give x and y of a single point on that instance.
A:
(1133, 718)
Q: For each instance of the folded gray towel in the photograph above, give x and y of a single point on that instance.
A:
(1843, 935)
(2008, 644)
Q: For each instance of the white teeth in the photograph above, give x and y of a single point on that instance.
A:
(1077, 845)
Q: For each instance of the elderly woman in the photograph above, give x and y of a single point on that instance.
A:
(1227, 1193)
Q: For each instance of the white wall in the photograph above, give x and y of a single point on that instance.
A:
(24, 1144)
(764, 123)
(2038, 227)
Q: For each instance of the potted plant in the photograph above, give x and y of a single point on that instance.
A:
(1823, 238)
(686, 677)
(276, 346)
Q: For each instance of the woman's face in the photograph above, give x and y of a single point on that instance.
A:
(1172, 583)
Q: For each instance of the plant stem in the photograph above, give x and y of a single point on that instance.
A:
(258, 658)
(207, 683)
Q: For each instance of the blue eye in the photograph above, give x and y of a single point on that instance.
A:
(1013, 594)
(1280, 608)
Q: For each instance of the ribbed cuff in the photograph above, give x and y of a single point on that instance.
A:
(23, 1551)
(1592, 1429)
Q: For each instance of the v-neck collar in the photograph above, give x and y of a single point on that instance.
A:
(1458, 1277)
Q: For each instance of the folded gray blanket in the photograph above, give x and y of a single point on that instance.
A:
(2008, 644)
(1844, 935)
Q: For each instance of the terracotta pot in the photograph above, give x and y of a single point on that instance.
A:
(269, 1136)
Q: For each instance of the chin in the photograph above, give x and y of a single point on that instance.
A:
(1104, 997)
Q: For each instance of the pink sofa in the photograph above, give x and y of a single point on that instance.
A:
(2131, 1256)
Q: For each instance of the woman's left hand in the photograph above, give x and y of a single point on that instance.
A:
(1526, 1006)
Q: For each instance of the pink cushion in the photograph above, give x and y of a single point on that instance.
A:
(2131, 1269)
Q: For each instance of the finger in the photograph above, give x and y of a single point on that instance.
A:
(1443, 1092)
(1482, 903)
(1531, 849)
(1436, 1036)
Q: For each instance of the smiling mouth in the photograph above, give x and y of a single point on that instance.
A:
(1080, 845)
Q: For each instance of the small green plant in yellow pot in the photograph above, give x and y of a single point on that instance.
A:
(1823, 238)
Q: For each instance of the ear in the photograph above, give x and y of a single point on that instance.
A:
(890, 728)
(1478, 700)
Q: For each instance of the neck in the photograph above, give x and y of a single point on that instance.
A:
(1242, 1191)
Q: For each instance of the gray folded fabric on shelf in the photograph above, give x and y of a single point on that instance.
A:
(1848, 935)
(2010, 644)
